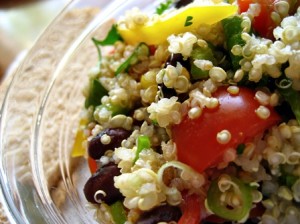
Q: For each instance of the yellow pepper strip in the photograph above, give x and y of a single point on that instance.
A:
(178, 21)
(78, 148)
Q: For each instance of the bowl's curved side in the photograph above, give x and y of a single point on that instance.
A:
(19, 113)
(40, 113)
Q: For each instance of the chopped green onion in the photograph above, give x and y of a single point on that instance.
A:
(143, 142)
(118, 212)
(227, 211)
(141, 50)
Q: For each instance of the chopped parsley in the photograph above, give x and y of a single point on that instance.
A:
(188, 21)
(112, 37)
(163, 7)
(97, 91)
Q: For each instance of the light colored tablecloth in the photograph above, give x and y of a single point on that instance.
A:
(69, 28)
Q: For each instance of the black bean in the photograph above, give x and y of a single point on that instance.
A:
(174, 58)
(285, 111)
(182, 3)
(103, 180)
(96, 148)
(164, 213)
(169, 92)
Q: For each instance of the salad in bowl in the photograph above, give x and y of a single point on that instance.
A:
(192, 115)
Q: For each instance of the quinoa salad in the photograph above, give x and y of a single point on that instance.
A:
(192, 115)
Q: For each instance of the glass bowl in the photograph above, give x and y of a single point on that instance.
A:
(40, 181)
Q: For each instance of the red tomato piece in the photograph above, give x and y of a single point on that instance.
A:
(92, 165)
(196, 139)
(191, 209)
(263, 23)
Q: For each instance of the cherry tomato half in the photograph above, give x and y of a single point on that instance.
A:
(263, 23)
(196, 139)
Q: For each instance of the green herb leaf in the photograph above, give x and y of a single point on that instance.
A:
(141, 50)
(97, 91)
(112, 37)
(188, 21)
(163, 7)
(143, 142)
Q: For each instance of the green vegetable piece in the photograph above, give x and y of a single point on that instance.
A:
(232, 31)
(118, 212)
(163, 7)
(225, 211)
(97, 91)
(143, 142)
(202, 53)
(139, 52)
(291, 96)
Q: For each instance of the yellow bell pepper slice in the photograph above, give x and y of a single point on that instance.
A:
(78, 148)
(179, 21)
